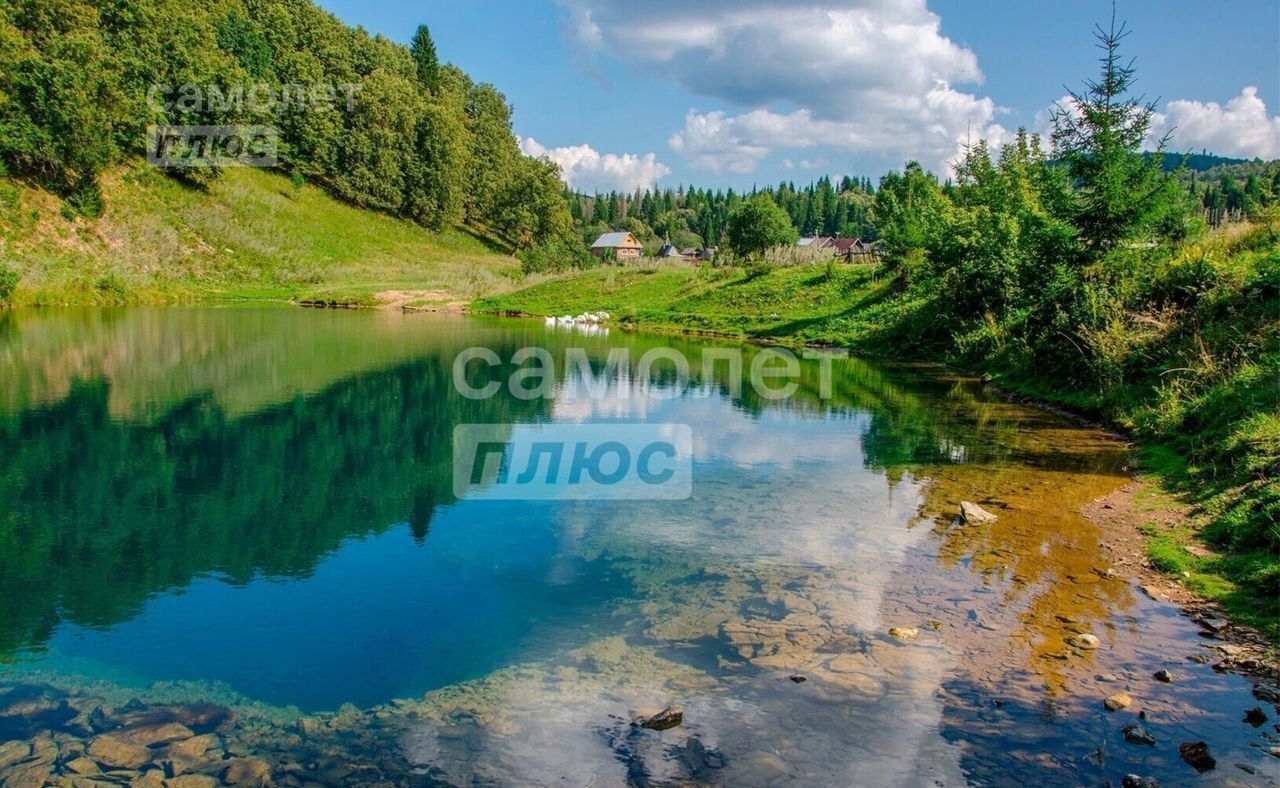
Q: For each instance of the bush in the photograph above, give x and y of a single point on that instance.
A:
(553, 257)
(8, 284)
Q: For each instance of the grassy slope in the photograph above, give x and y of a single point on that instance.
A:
(800, 305)
(248, 236)
(1209, 410)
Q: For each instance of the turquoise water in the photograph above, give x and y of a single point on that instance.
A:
(256, 506)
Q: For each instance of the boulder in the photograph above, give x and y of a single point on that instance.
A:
(12, 752)
(1136, 734)
(1255, 716)
(82, 766)
(972, 513)
(1196, 753)
(195, 747)
(247, 771)
(1118, 701)
(26, 775)
(115, 753)
(149, 735)
(192, 781)
(669, 717)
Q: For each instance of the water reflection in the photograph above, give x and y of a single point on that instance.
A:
(263, 499)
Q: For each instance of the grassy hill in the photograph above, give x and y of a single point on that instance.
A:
(248, 235)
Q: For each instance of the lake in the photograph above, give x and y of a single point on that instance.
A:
(256, 511)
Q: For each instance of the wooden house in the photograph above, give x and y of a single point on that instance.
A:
(625, 246)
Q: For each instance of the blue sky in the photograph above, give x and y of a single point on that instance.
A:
(734, 92)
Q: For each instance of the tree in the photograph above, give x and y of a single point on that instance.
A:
(1099, 136)
(757, 225)
(425, 58)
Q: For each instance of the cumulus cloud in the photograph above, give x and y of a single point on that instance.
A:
(855, 75)
(587, 170)
(1242, 128)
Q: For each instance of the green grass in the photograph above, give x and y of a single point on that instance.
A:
(799, 305)
(248, 236)
(1201, 394)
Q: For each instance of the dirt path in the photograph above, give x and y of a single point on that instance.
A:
(418, 301)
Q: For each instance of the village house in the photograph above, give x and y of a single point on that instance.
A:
(668, 251)
(625, 246)
(816, 242)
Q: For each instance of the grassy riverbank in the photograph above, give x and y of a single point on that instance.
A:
(250, 234)
(1198, 383)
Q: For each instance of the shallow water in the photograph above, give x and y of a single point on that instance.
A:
(255, 508)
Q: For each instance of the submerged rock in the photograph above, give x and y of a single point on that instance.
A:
(1197, 754)
(117, 753)
(12, 752)
(1136, 734)
(1084, 640)
(1136, 781)
(669, 717)
(972, 513)
(1120, 700)
(247, 771)
(1255, 716)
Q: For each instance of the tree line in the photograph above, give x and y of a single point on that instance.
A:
(418, 138)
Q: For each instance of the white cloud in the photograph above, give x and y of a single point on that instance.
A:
(587, 170)
(855, 75)
(1242, 128)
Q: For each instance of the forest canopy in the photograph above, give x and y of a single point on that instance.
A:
(82, 80)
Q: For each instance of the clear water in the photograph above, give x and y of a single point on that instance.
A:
(255, 507)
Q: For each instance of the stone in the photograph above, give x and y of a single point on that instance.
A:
(669, 717)
(114, 753)
(1084, 640)
(799, 679)
(247, 771)
(1120, 700)
(972, 513)
(1136, 734)
(904, 633)
(192, 781)
(12, 752)
(1214, 624)
(195, 747)
(309, 726)
(1196, 753)
(1255, 716)
(153, 778)
(1163, 675)
(27, 775)
(82, 766)
(151, 735)
(1135, 781)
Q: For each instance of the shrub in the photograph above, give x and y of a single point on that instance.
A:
(553, 257)
(8, 284)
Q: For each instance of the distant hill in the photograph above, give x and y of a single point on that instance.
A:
(1198, 162)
